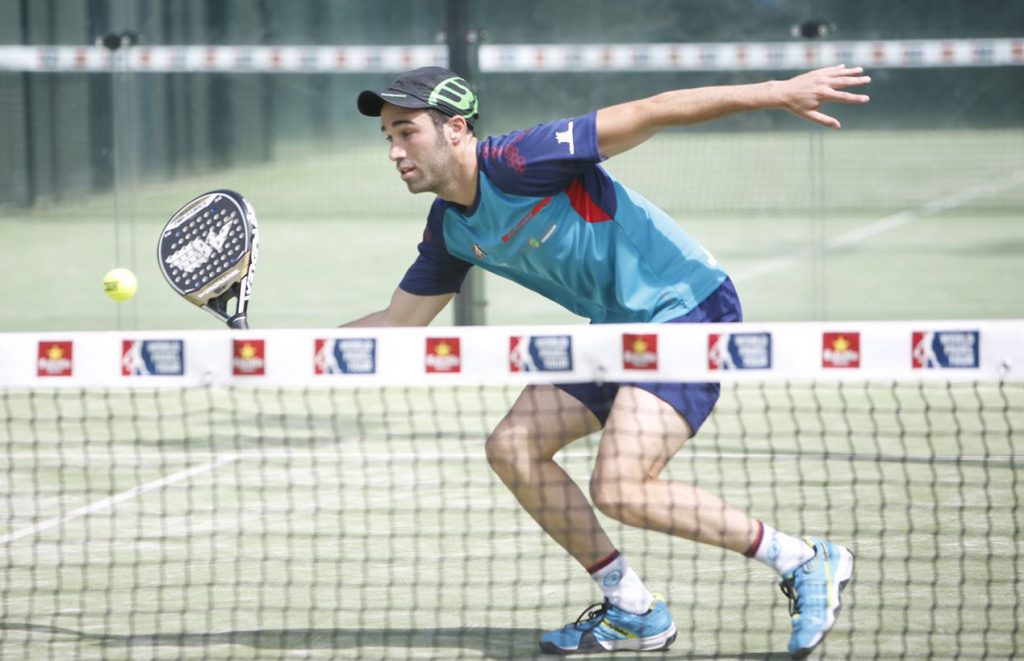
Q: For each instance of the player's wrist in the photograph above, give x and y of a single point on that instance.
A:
(772, 95)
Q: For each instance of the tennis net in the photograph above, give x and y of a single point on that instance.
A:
(326, 493)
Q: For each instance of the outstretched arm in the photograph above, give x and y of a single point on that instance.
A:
(624, 126)
(405, 309)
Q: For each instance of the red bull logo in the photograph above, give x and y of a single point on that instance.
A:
(248, 358)
(443, 355)
(840, 350)
(55, 359)
(639, 352)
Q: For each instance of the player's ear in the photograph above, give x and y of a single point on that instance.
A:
(458, 127)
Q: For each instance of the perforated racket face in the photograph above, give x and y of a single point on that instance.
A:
(205, 248)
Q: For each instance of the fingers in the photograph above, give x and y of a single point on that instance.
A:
(843, 70)
(811, 90)
(837, 76)
(823, 119)
(836, 96)
(843, 76)
(840, 77)
(849, 81)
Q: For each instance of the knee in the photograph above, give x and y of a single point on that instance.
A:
(509, 452)
(497, 447)
(609, 495)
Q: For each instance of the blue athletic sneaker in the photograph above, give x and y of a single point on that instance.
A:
(605, 628)
(814, 589)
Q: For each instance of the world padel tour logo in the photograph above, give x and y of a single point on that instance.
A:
(840, 350)
(55, 359)
(944, 349)
(152, 358)
(639, 352)
(356, 355)
(540, 353)
(248, 358)
(739, 351)
(443, 355)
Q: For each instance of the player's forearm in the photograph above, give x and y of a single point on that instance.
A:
(704, 104)
(627, 125)
(802, 95)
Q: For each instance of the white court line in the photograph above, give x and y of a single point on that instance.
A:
(106, 503)
(882, 225)
(135, 492)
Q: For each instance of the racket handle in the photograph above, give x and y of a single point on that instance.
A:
(238, 322)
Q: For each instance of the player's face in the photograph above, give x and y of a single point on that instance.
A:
(419, 149)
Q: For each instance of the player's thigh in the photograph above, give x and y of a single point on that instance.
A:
(642, 433)
(543, 420)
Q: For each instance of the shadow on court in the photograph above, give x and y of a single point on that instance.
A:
(488, 642)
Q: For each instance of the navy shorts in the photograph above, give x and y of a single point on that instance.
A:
(693, 401)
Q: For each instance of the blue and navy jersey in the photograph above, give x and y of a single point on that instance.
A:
(549, 217)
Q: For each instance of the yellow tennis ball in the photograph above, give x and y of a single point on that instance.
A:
(120, 284)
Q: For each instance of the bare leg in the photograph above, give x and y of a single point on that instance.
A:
(641, 435)
(521, 449)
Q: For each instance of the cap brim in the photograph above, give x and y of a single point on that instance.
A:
(370, 102)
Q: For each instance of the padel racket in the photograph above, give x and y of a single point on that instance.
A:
(208, 251)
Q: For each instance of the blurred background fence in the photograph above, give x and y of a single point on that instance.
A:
(91, 135)
(113, 113)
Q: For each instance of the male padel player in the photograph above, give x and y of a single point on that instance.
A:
(535, 206)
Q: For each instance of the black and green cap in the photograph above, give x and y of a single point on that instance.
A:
(426, 87)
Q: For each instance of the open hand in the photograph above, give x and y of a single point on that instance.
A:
(805, 94)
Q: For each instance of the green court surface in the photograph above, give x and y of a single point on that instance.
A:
(212, 523)
(366, 524)
(812, 225)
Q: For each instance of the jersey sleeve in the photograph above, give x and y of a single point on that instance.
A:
(542, 160)
(435, 271)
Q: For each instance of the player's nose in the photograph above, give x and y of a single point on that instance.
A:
(396, 153)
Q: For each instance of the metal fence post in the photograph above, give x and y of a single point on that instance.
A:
(470, 303)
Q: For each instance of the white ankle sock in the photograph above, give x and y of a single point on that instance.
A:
(780, 551)
(622, 586)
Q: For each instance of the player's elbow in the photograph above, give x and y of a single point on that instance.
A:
(399, 318)
(408, 309)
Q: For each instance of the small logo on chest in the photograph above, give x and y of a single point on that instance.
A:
(534, 242)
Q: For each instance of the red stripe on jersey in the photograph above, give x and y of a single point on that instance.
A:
(525, 219)
(584, 204)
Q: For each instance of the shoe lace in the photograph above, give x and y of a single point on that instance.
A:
(788, 587)
(592, 611)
